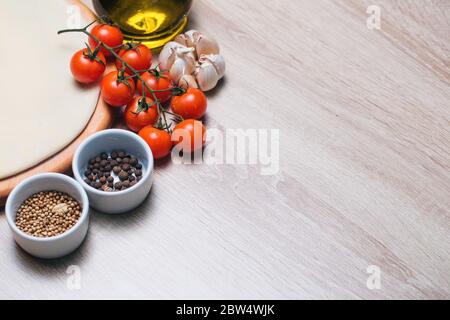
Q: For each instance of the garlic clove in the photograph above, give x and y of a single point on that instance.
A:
(191, 37)
(182, 62)
(206, 45)
(187, 81)
(207, 76)
(217, 61)
(177, 70)
(166, 52)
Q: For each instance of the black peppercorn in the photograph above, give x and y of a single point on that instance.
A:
(100, 169)
(123, 175)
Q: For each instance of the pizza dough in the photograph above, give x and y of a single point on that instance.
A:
(42, 109)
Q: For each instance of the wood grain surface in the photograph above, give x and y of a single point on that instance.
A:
(364, 174)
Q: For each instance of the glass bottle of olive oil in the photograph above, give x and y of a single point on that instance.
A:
(153, 22)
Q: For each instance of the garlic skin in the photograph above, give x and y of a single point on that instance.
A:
(202, 43)
(206, 45)
(188, 81)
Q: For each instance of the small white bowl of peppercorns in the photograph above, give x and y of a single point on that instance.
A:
(115, 167)
(48, 214)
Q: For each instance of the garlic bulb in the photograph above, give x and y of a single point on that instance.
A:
(179, 57)
(202, 43)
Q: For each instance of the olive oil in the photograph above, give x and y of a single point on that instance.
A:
(153, 22)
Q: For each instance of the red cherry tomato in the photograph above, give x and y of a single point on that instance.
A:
(190, 105)
(139, 57)
(116, 91)
(110, 35)
(139, 114)
(156, 82)
(190, 135)
(158, 140)
(85, 67)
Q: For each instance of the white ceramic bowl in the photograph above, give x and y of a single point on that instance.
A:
(60, 245)
(107, 141)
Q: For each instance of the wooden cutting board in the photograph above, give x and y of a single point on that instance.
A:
(102, 118)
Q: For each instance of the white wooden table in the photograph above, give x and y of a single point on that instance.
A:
(364, 175)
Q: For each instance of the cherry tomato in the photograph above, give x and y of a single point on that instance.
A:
(139, 57)
(110, 35)
(85, 67)
(190, 105)
(115, 91)
(156, 82)
(158, 140)
(195, 133)
(139, 114)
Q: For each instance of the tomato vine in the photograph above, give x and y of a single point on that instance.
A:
(162, 122)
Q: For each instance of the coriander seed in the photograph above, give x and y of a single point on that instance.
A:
(47, 214)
